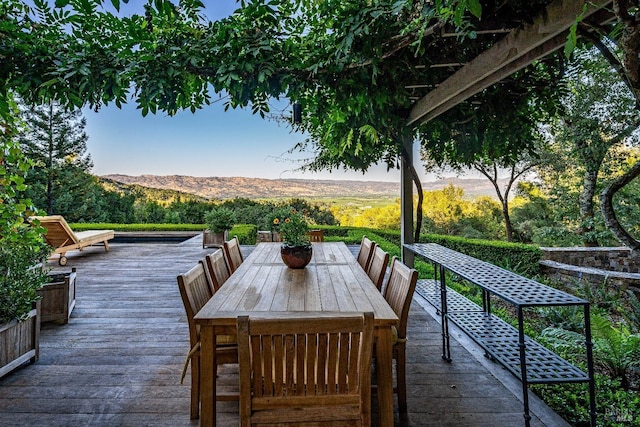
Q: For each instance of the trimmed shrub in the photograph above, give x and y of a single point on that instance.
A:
(247, 233)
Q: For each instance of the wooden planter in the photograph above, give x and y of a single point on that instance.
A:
(19, 341)
(58, 297)
(214, 240)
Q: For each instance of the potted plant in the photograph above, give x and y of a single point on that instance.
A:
(219, 221)
(274, 220)
(296, 249)
(22, 250)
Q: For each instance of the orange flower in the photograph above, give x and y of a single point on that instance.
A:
(276, 221)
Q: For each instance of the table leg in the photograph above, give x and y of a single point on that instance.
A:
(207, 376)
(384, 376)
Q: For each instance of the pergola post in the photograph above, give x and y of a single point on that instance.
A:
(406, 200)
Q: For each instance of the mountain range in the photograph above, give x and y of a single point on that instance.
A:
(259, 188)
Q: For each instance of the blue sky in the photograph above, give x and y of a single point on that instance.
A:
(210, 142)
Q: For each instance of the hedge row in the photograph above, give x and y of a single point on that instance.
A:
(136, 227)
(247, 233)
(520, 258)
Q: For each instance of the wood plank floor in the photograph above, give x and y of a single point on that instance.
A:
(118, 361)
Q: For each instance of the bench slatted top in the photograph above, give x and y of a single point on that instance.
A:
(516, 289)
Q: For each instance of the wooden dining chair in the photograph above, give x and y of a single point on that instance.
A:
(232, 254)
(365, 253)
(316, 235)
(216, 269)
(398, 292)
(306, 370)
(378, 266)
(195, 292)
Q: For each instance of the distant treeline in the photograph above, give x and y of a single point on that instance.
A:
(153, 206)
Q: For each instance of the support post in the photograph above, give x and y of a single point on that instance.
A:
(406, 201)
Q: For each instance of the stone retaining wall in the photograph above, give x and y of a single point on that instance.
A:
(616, 267)
(613, 259)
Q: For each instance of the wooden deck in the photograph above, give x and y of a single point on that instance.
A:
(118, 361)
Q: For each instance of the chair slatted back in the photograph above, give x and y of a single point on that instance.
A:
(316, 235)
(217, 269)
(365, 253)
(232, 254)
(378, 266)
(305, 369)
(399, 292)
(59, 232)
(195, 292)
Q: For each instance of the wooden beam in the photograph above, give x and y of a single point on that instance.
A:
(540, 52)
(517, 50)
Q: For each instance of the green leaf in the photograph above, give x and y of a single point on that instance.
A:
(475, 8)
(572, 40)
(572, 37)
(116, 4)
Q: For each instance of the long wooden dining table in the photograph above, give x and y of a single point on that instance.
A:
(333, 282)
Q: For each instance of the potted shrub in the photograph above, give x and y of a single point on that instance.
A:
(296, 250)
(22, 250)
(274, 221)
(20, 279)
(219, 221)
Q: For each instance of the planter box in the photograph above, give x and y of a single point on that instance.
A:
(58, 297)
(214, 240)
(19, 341)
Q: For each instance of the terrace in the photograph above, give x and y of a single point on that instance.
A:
(119, 359)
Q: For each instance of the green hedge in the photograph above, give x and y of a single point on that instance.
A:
(517, 257)
(136, 227)
(247, 233)
(520, 258)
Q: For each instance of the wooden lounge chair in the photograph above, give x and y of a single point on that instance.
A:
(62, 238)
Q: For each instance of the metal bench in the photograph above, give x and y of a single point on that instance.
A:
(529, 361)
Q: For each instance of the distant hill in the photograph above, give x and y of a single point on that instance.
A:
(258, 188)
(160, 195)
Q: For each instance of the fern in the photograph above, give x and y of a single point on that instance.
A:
(615, 349)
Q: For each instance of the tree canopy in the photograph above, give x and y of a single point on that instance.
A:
(352, 65)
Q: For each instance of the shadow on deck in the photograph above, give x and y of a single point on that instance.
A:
(118, 361)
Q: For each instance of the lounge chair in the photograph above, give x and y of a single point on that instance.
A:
(62, 238)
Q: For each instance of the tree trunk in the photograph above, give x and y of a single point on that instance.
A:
(50, 141)
(629, 43)
(587, 208)
(507, 220)
(416, 180)
(609, 215)
(504, 199)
